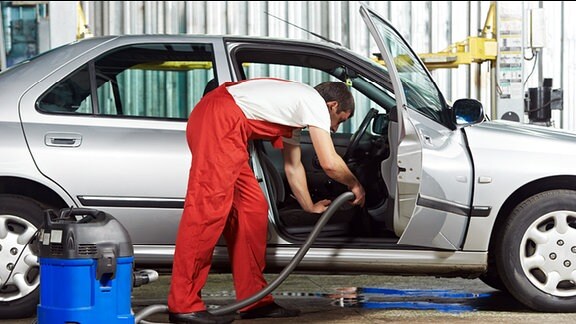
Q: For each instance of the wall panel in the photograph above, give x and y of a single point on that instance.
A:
(429, 26)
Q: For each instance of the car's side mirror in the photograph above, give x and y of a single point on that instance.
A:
(467, 112)
(380, 124)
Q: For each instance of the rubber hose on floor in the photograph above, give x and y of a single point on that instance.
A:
(339, 201)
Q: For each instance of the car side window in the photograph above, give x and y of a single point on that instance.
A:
(67, 96)
(146, 81)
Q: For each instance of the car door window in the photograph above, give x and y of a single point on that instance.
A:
(145, 81)
(421, 93)
(67, 96)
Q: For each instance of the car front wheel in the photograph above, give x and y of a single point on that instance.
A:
(536, 252)
(20, 218)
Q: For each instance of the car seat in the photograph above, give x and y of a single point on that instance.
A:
(291, 218)
(211, 85)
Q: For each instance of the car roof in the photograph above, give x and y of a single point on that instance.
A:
(42, 65)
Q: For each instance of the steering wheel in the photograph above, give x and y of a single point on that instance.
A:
(357, 136)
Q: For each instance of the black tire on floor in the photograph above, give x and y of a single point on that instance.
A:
(492, 278)
(537, 246)
(16, 208)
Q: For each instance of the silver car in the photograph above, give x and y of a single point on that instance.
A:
(100, 123)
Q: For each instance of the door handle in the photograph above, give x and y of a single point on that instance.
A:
(63, 139)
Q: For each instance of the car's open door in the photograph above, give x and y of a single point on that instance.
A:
(429, 172)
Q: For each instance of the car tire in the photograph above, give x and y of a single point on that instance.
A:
(536, 252)
(20, 218)
(491, 276)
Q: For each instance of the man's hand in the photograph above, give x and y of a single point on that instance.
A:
(320, 206)
(333, 164)
(359, 193)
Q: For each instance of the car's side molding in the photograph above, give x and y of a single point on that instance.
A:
(475, 211)
(480, 211)
(131, 202)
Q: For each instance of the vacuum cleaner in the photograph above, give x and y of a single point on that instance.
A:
(93, 252)
(86, 259)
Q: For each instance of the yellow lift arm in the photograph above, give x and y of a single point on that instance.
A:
(82, 29)
(475, 49)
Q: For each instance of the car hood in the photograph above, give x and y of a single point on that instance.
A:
(507, 136)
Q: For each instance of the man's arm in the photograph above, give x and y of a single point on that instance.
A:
(333, 164)
(296, 175)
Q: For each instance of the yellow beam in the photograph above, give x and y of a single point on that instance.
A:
(174, 66)
(472, 50)
(82, 30)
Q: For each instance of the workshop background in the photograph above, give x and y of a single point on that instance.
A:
(504, 53)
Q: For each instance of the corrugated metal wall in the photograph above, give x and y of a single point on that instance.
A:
(429, 26)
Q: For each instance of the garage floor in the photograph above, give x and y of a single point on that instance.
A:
(364, 299)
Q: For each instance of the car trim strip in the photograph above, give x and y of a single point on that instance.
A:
(131, 202)
(443, 206)
(476, 211)
(480, 211)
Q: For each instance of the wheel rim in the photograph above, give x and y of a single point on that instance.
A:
(548, 253)
(19, 270)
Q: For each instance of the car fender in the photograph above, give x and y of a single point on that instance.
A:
(508, 156)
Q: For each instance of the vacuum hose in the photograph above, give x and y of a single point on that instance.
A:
(339, 201)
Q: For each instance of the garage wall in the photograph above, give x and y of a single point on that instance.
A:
(429, 26)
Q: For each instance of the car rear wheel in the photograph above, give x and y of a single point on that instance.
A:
(536, 252)
(20, 218)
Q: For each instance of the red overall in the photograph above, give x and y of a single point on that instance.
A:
(223, 197)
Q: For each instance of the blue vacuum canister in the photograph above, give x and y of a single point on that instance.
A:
(86, 260)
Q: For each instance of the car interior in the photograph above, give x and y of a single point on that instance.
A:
(363, 147)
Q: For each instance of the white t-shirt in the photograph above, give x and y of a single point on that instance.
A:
(282, 102)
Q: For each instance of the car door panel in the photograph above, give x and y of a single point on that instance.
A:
(112, 171)
(427, 150)
(442, 203)
(131, 166)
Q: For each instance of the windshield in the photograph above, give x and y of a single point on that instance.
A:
(420, 91)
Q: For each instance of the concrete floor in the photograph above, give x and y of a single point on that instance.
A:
(362, 299)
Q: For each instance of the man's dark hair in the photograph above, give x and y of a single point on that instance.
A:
(339, 92)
